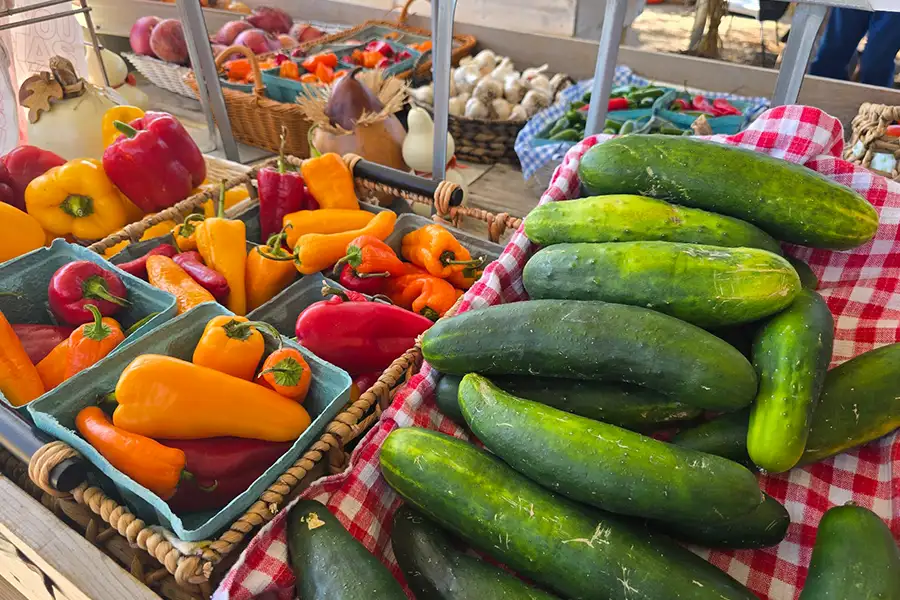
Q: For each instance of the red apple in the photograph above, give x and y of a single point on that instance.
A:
(167, 42)
(229, 31)
(273, 20)
(140, 35)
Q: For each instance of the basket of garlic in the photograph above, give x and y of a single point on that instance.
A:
(490, 102)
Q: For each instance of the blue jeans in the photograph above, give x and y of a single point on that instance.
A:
(846, 27)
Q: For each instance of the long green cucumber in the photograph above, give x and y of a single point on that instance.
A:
(808, 279)
(764, 526)
(791, 356)
(704, 285)
(329, 563)
(788, 201)
(859, 403)
(724, 436)
(624, 218)
(579, 552)
(855, 557)
(594, 341)
(604, 465)
(629, 406)
(433, 569)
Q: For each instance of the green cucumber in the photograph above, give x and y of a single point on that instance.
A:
(724, 436)
(636, 218)
(808, 279)
(594, 341)
(739, 336)
(764, 526)
(603, 465)
(855, 558)
(329, 563)
(433, 569)
(791, 356)
(629, 406)
(708, 286)
(579, 552)
(788, 201)
(859, 403)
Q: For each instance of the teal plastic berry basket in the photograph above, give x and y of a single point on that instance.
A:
(55, 413)
(28, 276)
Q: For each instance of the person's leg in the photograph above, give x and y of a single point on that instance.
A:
(877, 61)
(846, 27)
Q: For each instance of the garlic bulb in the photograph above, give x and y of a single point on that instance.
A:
(488, 89)
(464, 97)
(534, 101)
(502, 70)
(529, 74)
(513, 90)
(476, 109)
(466, 77)
(424, 94)
(518, 113)
(458, 105)
(559, 82)
(501, 109)
(465, 60)
(540, 82)
(486, 61)
(452, 87)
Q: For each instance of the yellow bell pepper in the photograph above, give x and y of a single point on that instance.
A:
(76, 198)
(160, 229)
(123, 113)
(19, 232)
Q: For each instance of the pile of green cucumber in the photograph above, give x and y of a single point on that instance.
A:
(660, 296)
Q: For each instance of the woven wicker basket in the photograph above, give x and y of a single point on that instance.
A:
(160, 73)
(148, 554)
(869, 145)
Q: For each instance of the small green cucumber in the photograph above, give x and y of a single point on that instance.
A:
(708, 286)
(624, 218)
(433, 569)
(724, 436)
(808, 279)
(604, 465)
(791, 356)
(764, 526)
(855, 557)
(629, 406)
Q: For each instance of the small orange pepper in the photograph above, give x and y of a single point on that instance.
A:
(52, 367)
(270, 269)
(435, 249)
(186, 233)
(424, 294)
(233, 345)
(309, 78)
(237, 69)
(289, 70)
(92, 342)
(20, 381)
(324, 73)
(288, 373)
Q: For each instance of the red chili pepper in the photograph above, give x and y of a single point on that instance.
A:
(702, 104)
(359, 337)
(722, 107)
(19, 167)
(214, 282)
(617, 104)
(39, 340)
(893, 130)
(138, 266)
(353, 281)
(220, 469)
(80, 283)
(681, 104)
(156, 163)
(281, 192)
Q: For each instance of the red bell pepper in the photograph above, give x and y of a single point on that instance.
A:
(353, 281)
(138, 266)
(281, 192)
(359, 337)
(220, 470)
(214, 282)
(156, 163)
(722, 107)
(617, 104)
(80, 283)
(702, 104)
(39, 340)
(20, 166)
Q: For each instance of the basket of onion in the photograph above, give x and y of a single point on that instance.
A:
(490, 102)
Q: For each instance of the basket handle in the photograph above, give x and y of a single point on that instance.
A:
(405, 181)
(404, 13)
(258, 87)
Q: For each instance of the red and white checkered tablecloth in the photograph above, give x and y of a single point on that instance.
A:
(862, 288)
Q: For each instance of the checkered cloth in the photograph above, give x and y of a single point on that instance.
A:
(533, 156)
(862, 288)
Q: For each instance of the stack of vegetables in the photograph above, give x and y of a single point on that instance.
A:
(633, 299)
(198, 433)
(149, 164)
(34, 359)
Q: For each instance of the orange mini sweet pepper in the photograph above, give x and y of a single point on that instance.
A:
(19, 379)
(288, 373)
(91, 342)
(324, 220)
(163, 273)
(233, 345)
(223, 245)
(52, 367)
(436, 250)
(330, 182)
(424, 294)
(270, 269)
(315, 252)
(370, 256)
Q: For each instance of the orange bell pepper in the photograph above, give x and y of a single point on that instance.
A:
(435, 249)
(330, 182)
(167, 398)
(288, 373)
(150, 464)
(315, 252)
(233, 345)
(270, 269)
(92, 342)
(163, 273)
(52, 367)
(19, 379)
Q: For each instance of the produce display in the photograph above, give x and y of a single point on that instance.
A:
(489, 87)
